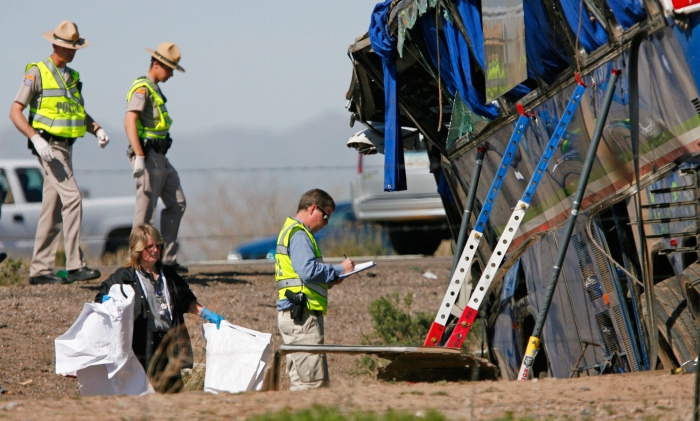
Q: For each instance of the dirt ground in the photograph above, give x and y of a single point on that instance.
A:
(32, 317)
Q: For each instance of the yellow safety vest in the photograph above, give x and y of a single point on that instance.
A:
(287, 278)
(60, 111)
(160, 131)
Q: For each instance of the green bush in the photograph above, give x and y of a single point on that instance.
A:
(395, 325)
(13, 272)
(319, 413)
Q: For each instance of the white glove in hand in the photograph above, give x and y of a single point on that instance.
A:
(42, 147)
(102, 137)
(139, 166)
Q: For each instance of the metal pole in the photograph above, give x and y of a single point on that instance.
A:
(533, 345)
(651, 340)
(468, 206)
(696, 400)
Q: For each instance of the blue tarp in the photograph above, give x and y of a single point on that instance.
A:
(384, 46)
(627, 12)
(591, 35)
(470, 12)
(456, 66)
(546, 55)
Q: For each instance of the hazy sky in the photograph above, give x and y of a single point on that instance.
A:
(264, 87)
(250, 64)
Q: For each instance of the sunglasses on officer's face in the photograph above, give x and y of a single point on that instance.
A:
(325, 215)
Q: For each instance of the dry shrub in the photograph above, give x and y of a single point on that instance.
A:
(358, 240)
(60, 260)
(194, 378)
(114, 259)
(227, 214)
(446, 248)
(13, 272)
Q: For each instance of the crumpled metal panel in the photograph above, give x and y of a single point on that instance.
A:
(670, 130)
(406, 16)
(505, 342)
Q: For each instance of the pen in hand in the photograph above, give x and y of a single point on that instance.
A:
(346, 257)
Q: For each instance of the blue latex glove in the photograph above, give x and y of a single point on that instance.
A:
(106, 298)
(212, 317)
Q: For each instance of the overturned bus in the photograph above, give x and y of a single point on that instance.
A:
(490, 86)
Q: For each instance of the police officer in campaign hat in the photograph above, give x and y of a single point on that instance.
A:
(57, 118)
(147, 125)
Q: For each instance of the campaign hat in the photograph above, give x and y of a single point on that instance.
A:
(168, 54)
(66, 35)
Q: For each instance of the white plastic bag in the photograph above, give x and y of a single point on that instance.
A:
(97, 348)
(236, 358)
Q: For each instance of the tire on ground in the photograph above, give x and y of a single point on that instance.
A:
(690, 282)
(676, 324)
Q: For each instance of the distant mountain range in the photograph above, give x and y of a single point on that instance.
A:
(319, 142)
(209, 165)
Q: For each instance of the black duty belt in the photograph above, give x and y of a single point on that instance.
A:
(57, 139)
(159, 145)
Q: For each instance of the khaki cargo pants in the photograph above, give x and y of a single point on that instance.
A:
(160, 179)
(61, 207)
(305, 371)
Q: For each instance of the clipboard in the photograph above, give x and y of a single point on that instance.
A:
(359, 268)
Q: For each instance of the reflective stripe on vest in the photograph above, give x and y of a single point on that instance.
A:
(160, 131)
(59, 111)
(287, 283)
(288, 279)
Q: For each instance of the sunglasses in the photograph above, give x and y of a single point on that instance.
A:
(154, 246)
(325, 215)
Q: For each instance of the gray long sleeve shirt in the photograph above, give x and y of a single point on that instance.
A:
(304, 262)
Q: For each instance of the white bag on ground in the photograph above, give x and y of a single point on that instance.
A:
(236, 358)
(97, 348)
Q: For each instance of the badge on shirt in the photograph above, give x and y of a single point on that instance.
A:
(28, 79)
(140, 93)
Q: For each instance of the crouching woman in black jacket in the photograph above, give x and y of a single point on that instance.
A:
(160, 341)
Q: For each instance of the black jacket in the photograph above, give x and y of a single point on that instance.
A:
(145, 342)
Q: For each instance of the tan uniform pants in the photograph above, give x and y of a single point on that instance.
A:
(305, 371)
(160, 179)
(61, 205)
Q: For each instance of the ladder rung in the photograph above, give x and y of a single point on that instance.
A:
(667, 220)
(673, 234)
(670, 205)
(679, 250)
(672, 189)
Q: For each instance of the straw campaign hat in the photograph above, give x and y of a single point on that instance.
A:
(168, 54)
(66, 35)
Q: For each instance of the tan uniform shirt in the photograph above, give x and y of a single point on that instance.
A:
(142, 101)
(30, 89)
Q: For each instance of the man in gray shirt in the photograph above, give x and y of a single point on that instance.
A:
(303, 281)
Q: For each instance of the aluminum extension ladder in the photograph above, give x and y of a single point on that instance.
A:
(470, 312)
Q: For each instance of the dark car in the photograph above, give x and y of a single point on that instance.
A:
(343, 231)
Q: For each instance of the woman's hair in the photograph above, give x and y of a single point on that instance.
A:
(138, 241)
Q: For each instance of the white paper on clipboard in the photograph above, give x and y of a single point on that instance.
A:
(359, 268)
